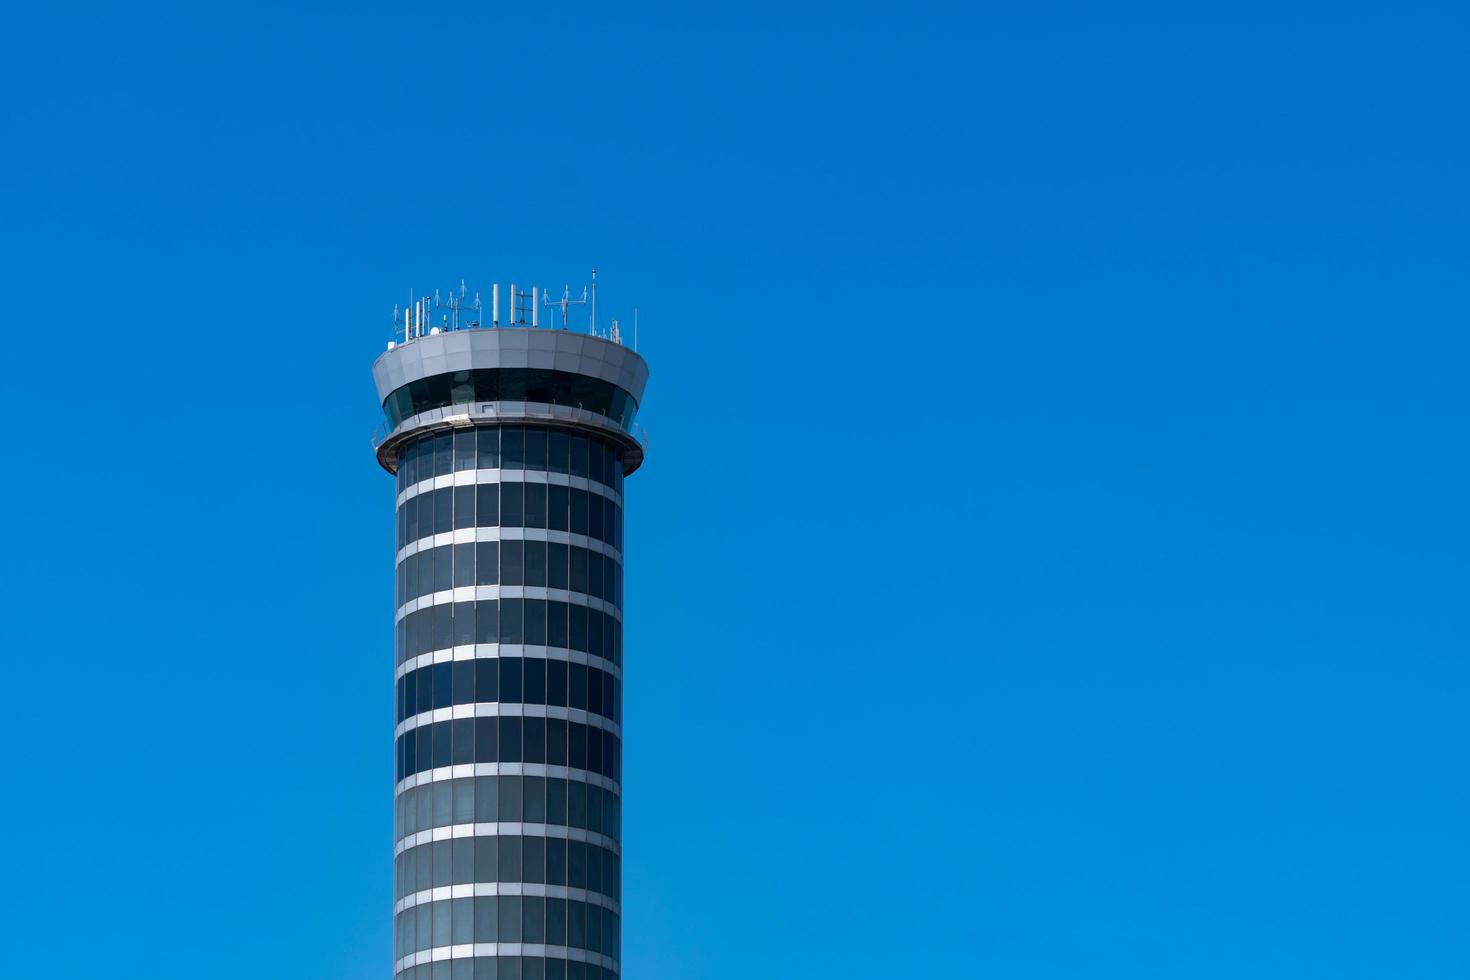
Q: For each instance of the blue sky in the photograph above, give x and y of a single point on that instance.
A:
(1051, 557)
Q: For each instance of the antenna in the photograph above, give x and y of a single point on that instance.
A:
(566, 302)
(594, 302)
(535, 307)
(495, 304)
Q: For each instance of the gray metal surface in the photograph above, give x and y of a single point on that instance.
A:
(510, 347)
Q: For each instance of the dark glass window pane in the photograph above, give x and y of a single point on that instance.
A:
(557, 451)
(595, 503)
(443, 559)
(594, 575)
(535, 448)
(578, 693)
(487, 562)
(512, 563)
(512, 504)
(556, 920)
(487, 621)
(464, 449)
(579, 511)
(464, 564)
(534, 791)
(556, 623)
(510, 680)
(535, 739)
(594, 690)
(443, 685)
(487, 505)
(441, 743)
(578, 618)
(558, 514)
(510, 860)
(533, 909)
(535, 562)
(579, 571)
(486, 731)
(579, 456)
(464, 623)
(486, 856)
(535, 621)
(510, 919)
(464, 682)
(576, 804)
(462, 736)
(487, 681)
(464, 506)
(556, 565)
(411, 507)
(535, 512)
(510, 738)
(513, 447)
(443, 454)
(511, 621)
(512, 385)
(556, 683)
(556, 794)
(424, 694)
(443, 510)
(556, 741)
(510, 799)
(594, 632)
(534, 675)
(576, 745)
(610, 467)
(488, 444)
(556, 861)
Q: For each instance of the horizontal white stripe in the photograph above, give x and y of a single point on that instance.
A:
(466, 770)
(465, 478)
(495, 709)
(457, 830)
(513, 888)
(468, 950)
(469, 535)
(471, 592)
(490, 651)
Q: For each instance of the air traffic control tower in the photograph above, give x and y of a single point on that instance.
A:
(510, 443)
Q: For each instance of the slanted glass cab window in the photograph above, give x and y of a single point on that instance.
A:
(512, 385)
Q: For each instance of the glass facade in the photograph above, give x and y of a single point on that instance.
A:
(508, 692)
(544, 387)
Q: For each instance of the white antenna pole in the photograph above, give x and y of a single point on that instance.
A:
(405, 324)
(535, 307)
(512, 304)
(495, 304)
(594, 302)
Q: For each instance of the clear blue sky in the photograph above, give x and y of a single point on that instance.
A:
(1052, 557)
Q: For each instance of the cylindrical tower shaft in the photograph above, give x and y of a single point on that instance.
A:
(508, 674)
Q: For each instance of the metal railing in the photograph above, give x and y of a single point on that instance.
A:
(384, 431)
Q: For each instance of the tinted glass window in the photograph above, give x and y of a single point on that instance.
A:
(464, 449)
(512, 448)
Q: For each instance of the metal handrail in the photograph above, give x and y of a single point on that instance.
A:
(382, 432)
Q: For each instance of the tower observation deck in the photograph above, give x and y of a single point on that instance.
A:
(510, 445)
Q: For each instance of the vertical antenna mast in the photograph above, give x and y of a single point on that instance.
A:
(594, 302)
(565, 303)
